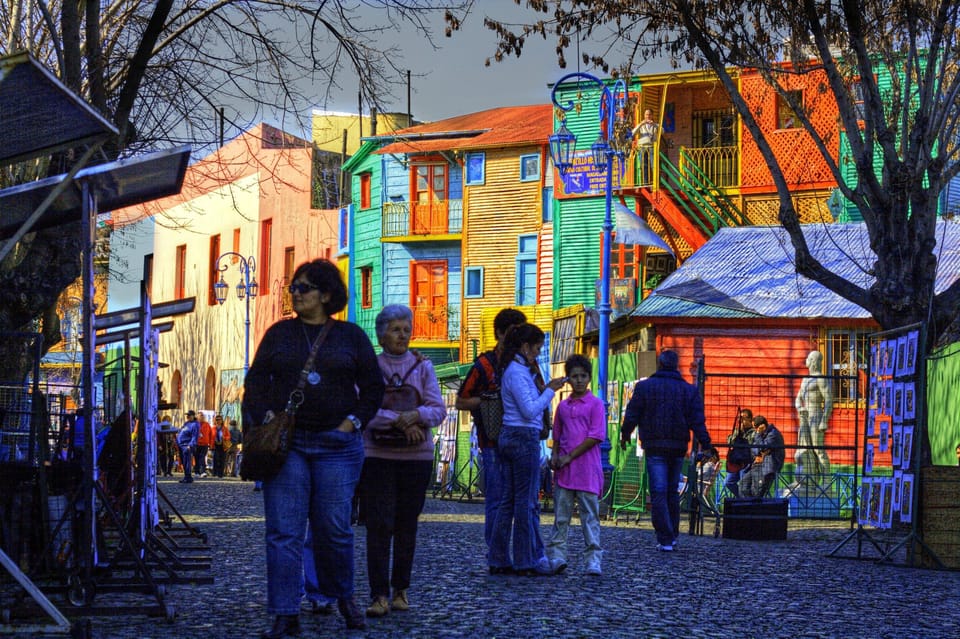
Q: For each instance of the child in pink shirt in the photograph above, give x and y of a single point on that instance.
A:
(578, 429)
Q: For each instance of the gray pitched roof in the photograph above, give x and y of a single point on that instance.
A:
(749, 272)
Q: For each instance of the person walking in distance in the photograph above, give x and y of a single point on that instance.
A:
(666, 409)
(221, 443)
(187, 441)
(204, 444)
(236, 437)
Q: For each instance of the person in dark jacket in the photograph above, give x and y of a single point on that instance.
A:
(320, 474)
(769, 455)
(666, 408)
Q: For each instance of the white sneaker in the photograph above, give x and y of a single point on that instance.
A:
(558, 565)
(664, 548)
(593, 568)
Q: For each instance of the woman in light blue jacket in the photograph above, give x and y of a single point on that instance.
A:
(519, 449)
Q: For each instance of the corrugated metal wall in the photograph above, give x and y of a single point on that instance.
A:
(498, 211)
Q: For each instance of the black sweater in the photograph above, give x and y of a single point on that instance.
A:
(350, 380)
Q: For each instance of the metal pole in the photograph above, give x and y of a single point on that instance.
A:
(605, 310)
(246, 333)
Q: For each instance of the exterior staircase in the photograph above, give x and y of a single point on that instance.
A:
(690, 202)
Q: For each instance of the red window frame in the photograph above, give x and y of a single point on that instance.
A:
(213, 273)
(366, 287)
(263, 265)
(180, 274)
(365, 181)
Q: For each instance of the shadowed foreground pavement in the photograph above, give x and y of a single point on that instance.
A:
(709, 588)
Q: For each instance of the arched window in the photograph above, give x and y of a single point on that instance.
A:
(210, 390)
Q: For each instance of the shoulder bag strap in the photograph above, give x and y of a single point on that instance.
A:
(296, 397)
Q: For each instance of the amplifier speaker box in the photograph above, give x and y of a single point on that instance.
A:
(756, 519)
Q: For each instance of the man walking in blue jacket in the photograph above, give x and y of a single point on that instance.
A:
(666, 409)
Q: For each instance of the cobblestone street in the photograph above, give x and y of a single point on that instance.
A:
(710, 587)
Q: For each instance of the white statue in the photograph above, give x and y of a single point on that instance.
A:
(814, 404)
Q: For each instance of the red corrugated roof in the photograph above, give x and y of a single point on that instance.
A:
(503, 126)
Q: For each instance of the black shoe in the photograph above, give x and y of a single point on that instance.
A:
(501, 570)
(186, 481)
(283, 626)
(351, 614)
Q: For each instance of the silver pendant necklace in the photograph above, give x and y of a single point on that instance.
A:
(313, 377)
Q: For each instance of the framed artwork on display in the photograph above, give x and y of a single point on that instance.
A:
(907, 450)
(627, 395)
(896, 445)
(906, 499)
(863, 515)
(897, 487)
(898, 402)
(886, 503)
(889, 355)
(909, 401)
(876, 495)
(868, 459)
(613, 396)
(883, 432)
(901, 363)
(912, 343)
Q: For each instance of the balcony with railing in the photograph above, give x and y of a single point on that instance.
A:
(430, 323)
(719, 165)
(422, 219)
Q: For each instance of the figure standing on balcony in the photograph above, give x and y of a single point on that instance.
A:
(646, 134)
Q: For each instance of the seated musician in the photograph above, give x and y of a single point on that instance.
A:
(768, 451)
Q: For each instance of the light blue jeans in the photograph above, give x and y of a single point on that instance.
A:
(317, 482)
(519, 509)
(664, 476)
(563, 500)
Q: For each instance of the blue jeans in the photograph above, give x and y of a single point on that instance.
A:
(519, 510)
(732, 482)
(311, 589)
(664, 476)
(316, 482)
(492, 491)
(186, 458)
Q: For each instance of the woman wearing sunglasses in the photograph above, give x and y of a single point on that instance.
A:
(342, 393)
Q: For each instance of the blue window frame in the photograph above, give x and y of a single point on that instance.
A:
(474, 281)
(530, 167)
(475, 166)
(548, 204)
(344, 225)
(526, 276)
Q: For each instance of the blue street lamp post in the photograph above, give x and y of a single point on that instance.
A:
(609, 145)
(246, 290)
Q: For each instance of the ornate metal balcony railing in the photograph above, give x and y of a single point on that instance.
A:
(440, 217)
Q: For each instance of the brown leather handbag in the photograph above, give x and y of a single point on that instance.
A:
(265, 446)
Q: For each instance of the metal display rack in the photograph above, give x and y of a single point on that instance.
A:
(104, 526)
